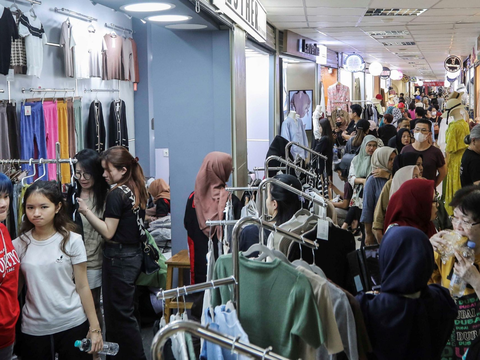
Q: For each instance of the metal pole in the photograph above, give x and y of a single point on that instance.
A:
(289, 164)
(169, 294)
(289, 145)
(210, 335)
(246, 188)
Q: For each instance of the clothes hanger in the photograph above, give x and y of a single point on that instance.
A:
(31, 176)
(266, 252)
(91, 28)
(44, 170)
(72, 171)
(32, 12)
(14, 5)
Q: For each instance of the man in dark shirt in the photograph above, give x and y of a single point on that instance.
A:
(355, 113)
(470, 167)
(387, 131)
(419, 114)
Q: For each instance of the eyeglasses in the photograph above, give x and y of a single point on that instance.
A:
(423, 131)
(78, 175)
(465, 225)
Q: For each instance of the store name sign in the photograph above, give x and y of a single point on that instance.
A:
(307, 48)
(249, 14)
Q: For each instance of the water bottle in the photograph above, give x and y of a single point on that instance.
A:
(335, 154)
(457, 284)
(109, 348)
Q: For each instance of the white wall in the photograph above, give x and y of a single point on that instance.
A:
(258, 105)
(53, 74)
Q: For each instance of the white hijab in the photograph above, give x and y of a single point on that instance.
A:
(402, 175)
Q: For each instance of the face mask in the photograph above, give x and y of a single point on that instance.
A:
(338, 123)
(420, 137)
(434, 113)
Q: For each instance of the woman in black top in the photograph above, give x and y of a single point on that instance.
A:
(122, 255)
(324, 146)
(470, 166)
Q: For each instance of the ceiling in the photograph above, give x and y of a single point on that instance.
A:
(446, 27)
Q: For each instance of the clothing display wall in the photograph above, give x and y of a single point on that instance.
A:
(78, 63)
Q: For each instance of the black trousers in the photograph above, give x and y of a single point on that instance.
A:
(121, 267)
(45, 347)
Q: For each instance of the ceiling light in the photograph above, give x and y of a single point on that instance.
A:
(169, 18)
(396, 75)
(147, 7)
(375, 68)
(394, 12)
(420, 83)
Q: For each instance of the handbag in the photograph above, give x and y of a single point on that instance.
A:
(153, 265)
(364, 268)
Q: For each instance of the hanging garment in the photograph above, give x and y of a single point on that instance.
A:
(226, 322)
(72, 150)
(35, 38)
(322, 95)
(356, 90)
(455, 147)
(96, 47)
(50, 114)
(13, 131)
(9, 31)
(66, 42)
(136, 72)
(77, 109)
(283, 326)
(95, 133)
(22, 191)
(81, 56)
(294, 130)
(18, 60)
(127, 60)
(63, 139)
(4, 143)
(32, 131)
(338, 96)
(117, 124)
(112, 57)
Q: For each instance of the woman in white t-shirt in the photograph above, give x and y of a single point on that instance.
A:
(53, 266)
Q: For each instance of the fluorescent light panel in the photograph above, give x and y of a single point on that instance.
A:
(147, 7)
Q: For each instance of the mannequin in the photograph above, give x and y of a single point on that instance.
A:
(294, 130)
(317, 114)
(455, 146)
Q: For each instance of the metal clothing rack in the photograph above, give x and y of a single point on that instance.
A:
(101, 90)
(116, 27)
(2, 91)
(289, 145)
(33, 2)
(212, 336)
(242, 188)
(48, 90)
(54, 44)
(75, 14)
(288, 164)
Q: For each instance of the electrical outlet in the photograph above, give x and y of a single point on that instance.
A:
(165, 153)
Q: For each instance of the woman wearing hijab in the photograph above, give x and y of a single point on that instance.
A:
(382, 166)
(360, 168)
(160, 191)
(408, 319)
(208, 202)
(401, 161)
(400, 140)
(413, 205)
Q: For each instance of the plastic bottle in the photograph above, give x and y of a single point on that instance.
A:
(109, 348)
(335, 154)
(457, 284)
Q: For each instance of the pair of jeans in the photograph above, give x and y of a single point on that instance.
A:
(32, 131)
(45, 347)
(121, 268)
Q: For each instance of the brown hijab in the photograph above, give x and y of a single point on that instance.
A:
(210, 194)
(159, 189)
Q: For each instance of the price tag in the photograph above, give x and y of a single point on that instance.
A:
(28, 110)
(322, 229)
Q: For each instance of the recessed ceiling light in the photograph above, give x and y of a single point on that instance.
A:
(169, 18)
(147, 7)
(186, 27)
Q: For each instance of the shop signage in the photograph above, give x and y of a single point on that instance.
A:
(432, 83)
(322, 58)
(354, 63)
(453, 63)
(249, 14)
(297, 45)
(308, 48)
(385, 73)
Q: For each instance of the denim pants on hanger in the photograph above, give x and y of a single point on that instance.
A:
(121, 268)
(32, 131)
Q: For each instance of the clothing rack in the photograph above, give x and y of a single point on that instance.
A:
(288, 164)
(185, 290)
(33, 2)
(75, 14)
(57, 161)
(212, 336)
(256, 168)
(362, 101)
(101, 90)
(54, 44)
(289, 145)
(116, 27)
(245, 188)
(47, 90)
(2, 91)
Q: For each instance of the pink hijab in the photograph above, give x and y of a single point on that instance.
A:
(210, 194)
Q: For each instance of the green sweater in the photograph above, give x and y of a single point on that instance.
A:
(277, 305)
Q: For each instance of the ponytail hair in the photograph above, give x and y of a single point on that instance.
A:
(120, 158)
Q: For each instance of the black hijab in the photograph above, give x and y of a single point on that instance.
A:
(396, 141)
(401, 160)
(277, 148)
(408, 319)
